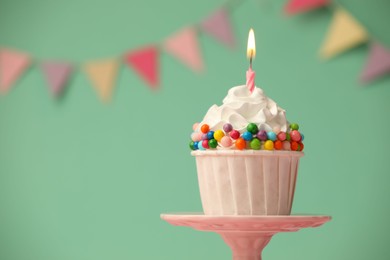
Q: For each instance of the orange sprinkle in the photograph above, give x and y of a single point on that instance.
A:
(294, 146)
(205, 128)
(240, 143)
(278, 145)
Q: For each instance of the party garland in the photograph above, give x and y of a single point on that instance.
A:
(344, 33)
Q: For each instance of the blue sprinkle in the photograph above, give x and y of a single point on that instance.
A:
(271, 136)
(248, 136)
(210, 135)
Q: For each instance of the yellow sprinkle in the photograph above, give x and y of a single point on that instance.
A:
(218, 135)
(269, 145)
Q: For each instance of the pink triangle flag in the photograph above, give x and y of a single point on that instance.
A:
(300, 6)
(184, 46)
(57, 75)
(145, 62)
(12, 65)
(377, 64)
(218, 26)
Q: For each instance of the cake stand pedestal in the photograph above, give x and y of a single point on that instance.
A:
(245, 235)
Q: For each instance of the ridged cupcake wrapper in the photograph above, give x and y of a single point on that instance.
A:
(247, 183)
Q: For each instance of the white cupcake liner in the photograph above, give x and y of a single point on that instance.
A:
(247, 182)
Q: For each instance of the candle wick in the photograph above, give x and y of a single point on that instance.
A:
(250, 59)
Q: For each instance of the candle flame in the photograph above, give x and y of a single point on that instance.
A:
(251, 50)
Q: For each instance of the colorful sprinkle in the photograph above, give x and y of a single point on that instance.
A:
(294, 126)
(210, 135)
(269, 145)
(227, 128)
(282, 136)
(247, 136)
(271, 136)
(234, 134)
(294, 146)
(262, 135)
(196, 137)
(213, 143)
(295, 136)
(226, 141)
(252, 128)
(255, 144)
(196, 145)
(252, 138)
(194, 126)
(278, 145)
(240, 144)
(200, 146)
(218, 135)
(205, 128)
(286, 146)
(192, 147)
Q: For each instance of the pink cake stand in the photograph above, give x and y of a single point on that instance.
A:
(245, 235)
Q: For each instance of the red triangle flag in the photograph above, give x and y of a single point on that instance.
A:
(377, 64)
(300, 6)
(145, 62)
(12, 65)
(219, 27)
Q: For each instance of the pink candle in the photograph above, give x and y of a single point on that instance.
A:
(250, 79)
(251, 52)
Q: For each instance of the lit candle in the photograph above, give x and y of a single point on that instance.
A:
(251, 52)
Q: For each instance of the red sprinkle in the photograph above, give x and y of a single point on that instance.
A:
(234, 134)
(294, 146)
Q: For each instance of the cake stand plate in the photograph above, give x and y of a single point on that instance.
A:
(245, 235)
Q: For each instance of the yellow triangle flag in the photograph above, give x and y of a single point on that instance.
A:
(102, 75)
(344, 33)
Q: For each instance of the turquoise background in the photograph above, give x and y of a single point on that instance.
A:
(80, 180)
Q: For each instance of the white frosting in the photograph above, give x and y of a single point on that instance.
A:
(240, 107)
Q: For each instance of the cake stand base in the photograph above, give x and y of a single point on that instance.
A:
(245, 235)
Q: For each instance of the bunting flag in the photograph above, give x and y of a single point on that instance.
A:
(377, 64)
(184, 46)
(218, 26)
(300, 6)
(344, 33)
(145, 62)
(102, 75)
(57, 75)
(12, 65)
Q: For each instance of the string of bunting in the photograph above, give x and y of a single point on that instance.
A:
(344, 33)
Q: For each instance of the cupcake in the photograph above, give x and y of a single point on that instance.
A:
(247, 156)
